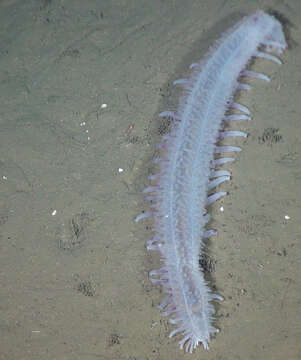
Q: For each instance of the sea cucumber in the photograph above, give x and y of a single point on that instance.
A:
(180, 193)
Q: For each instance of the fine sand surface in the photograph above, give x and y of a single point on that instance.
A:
(81, 85)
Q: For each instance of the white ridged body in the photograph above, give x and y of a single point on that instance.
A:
(185, 172)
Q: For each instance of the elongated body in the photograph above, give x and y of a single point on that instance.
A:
(187, 171)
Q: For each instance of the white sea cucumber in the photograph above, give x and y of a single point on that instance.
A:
(188, 171)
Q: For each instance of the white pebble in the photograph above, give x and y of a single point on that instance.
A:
(53, 213)
(103, 106)
(120, 170)
(286, 217)
(221, 209)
